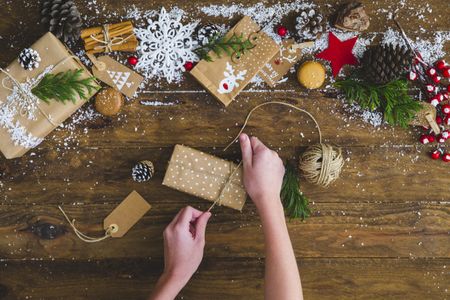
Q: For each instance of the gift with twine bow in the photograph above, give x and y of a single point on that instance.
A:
(24, 120)
(109, 38)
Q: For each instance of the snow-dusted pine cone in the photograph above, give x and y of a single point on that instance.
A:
(309, 24)
(63, 18)
(207, 32)
(143, 171)
(29, 59)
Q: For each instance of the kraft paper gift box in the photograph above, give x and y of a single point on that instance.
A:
(206, 176)
(25, 132)
(226, 77)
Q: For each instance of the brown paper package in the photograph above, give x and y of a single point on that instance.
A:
(51, 51)
(212, 74)
(205, 176)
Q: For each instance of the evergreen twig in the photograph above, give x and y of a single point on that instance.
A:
(392, 99)
(236, 44)
(64, 86)
(296, 204)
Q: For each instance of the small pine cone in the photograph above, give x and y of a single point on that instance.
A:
(309, 24)
(143, 171)
(29, 59)
(384, 63)
(207, 32)
(63, 18)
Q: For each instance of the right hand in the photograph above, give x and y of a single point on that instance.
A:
(263, 172)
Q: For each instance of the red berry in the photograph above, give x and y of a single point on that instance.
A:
(445, 134)
(431, 72)
(425, 139)
(188, 66)
(446, 72)
(440, 64)
(132, 60)
(436, 154)
(430, 88)
(412, 75)
(438, 120)
(282, 31)
(446, 157)
(445, 109)
(447, 120)
(436, 79)
(441, 139)
(434, 101)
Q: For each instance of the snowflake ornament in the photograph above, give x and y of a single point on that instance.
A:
(165, 46)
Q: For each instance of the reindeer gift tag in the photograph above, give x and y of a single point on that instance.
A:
(278, 66)
(116, 75)
(226, 76)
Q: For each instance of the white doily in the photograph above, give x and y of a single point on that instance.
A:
(165, 46)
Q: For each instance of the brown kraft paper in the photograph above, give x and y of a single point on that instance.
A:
(206, 176)
(52, 52)
(225, 77)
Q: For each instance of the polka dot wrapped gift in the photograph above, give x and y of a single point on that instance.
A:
(206, 176)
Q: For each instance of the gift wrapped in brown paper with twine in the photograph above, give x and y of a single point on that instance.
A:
(24, 124)
(226, 76)
(206, 176)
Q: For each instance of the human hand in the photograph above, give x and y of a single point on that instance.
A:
(184, 242)
(263, 173)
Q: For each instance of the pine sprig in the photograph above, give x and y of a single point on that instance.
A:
(64, 86)
(235, 45)
(398, 107)
(296, 205)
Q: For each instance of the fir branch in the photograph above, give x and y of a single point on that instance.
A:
(391, 99)
(64, 86)
(235, 45)
(296, 204)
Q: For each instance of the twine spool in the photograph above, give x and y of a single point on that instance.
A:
(321, 164)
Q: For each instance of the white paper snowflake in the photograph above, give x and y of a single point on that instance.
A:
(165, 46)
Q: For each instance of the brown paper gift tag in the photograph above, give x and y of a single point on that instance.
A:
(206, 176)
(52, 52)
(128, 213)
(278, 66)
(116, 75)
(225, 77)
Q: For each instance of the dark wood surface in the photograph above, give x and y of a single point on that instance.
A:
(380, 232)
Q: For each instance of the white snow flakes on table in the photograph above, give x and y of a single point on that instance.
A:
(165, 46)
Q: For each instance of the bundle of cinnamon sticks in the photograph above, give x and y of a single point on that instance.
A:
(110, 37)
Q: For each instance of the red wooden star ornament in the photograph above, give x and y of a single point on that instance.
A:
(339, 53)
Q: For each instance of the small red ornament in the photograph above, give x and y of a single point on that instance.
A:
(188, 66)
(132, 60)
(445, 109)
(436, 154)
(446, 72)
(440, 64)
(441, 139)
(439, 120)
(282, 31)
(436, 79)
(426, 139)
(412, 75)
(446, 157)
(431, 72)
(434, 101)
(339, 53)
(430, 88)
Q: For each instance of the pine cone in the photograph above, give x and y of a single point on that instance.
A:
(29, 59)
(207, 32)
(309, 24)
(143, 171)
(63, 18)
(384, 63)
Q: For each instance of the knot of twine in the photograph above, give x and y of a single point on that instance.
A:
(109, 42)
(321, 164)
(218, 201)
(85, 238)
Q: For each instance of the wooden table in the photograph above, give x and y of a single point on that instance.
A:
(381, 231)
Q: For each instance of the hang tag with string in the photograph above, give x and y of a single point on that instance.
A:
(119, 221)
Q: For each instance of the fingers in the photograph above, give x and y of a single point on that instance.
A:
(246, 149)
(257, 145)
(188, 214)
(200, 226)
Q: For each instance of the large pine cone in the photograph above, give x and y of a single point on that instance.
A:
(63, 18)
(384, 63)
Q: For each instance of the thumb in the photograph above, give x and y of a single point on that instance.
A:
(200, 226)
(246, 149)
